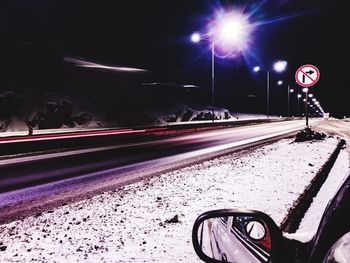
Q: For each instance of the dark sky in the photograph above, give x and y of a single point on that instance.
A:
(154, 35)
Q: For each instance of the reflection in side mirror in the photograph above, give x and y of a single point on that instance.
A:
(235, 236)
(255, 230)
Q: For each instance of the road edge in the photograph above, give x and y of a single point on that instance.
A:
(296, 213)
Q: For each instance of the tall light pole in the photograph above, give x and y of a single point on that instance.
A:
(196, 38)
(229, 32)
(298, 112)
(278, 67)
(268, 94)
(212, 79)
(289, 92)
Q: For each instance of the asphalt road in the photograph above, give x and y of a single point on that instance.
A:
(30, 183)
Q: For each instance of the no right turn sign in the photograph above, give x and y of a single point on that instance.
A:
(307, 75)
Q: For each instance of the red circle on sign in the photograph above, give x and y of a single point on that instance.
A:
(314, 81)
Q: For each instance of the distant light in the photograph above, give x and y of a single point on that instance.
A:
(190, 86)
(116, 69)
(280, 82)
(280, 66)
(304, 100)
(196, 37)
(314, 99)
(256, 69)
(305, 90)
(299, 96)
(93, 65)
(149, 83)
(311, 95)
(291, 90)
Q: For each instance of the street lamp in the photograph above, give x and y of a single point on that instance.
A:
(230, 32)
(306, 90)
(289, 92)
(299, 96)
(278, 67)
(279, 83)
(256, 69)
(196, 37)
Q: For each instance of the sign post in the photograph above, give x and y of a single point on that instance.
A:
(307, 76)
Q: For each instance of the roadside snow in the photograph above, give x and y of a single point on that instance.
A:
(336, 177)
(130, 224)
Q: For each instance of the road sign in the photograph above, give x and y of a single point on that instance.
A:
(307, 75)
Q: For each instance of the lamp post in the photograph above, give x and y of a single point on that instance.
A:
(298, 111)
(230, 32)
(289, 92)
(212, 79)
(268, 95)
(278, 67)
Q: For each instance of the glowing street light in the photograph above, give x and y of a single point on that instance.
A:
(279, 83)
(280, 66)
(256, 69)
(231, 31)
(196, 37)
(311, 95)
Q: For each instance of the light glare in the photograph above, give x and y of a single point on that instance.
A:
(280, 66)
(256, 69)
(196, 37)
(231, 31)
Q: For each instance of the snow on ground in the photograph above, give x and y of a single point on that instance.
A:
(336, 177)
(130, 224)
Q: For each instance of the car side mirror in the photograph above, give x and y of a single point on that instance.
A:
(233, 235)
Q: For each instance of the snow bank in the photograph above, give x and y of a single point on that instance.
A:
(336, 177)
(131, 224)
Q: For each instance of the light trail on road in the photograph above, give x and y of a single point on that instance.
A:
(56, 176)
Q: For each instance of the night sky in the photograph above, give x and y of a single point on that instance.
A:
(155, 35)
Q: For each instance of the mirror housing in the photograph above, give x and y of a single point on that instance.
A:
(236, 235)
